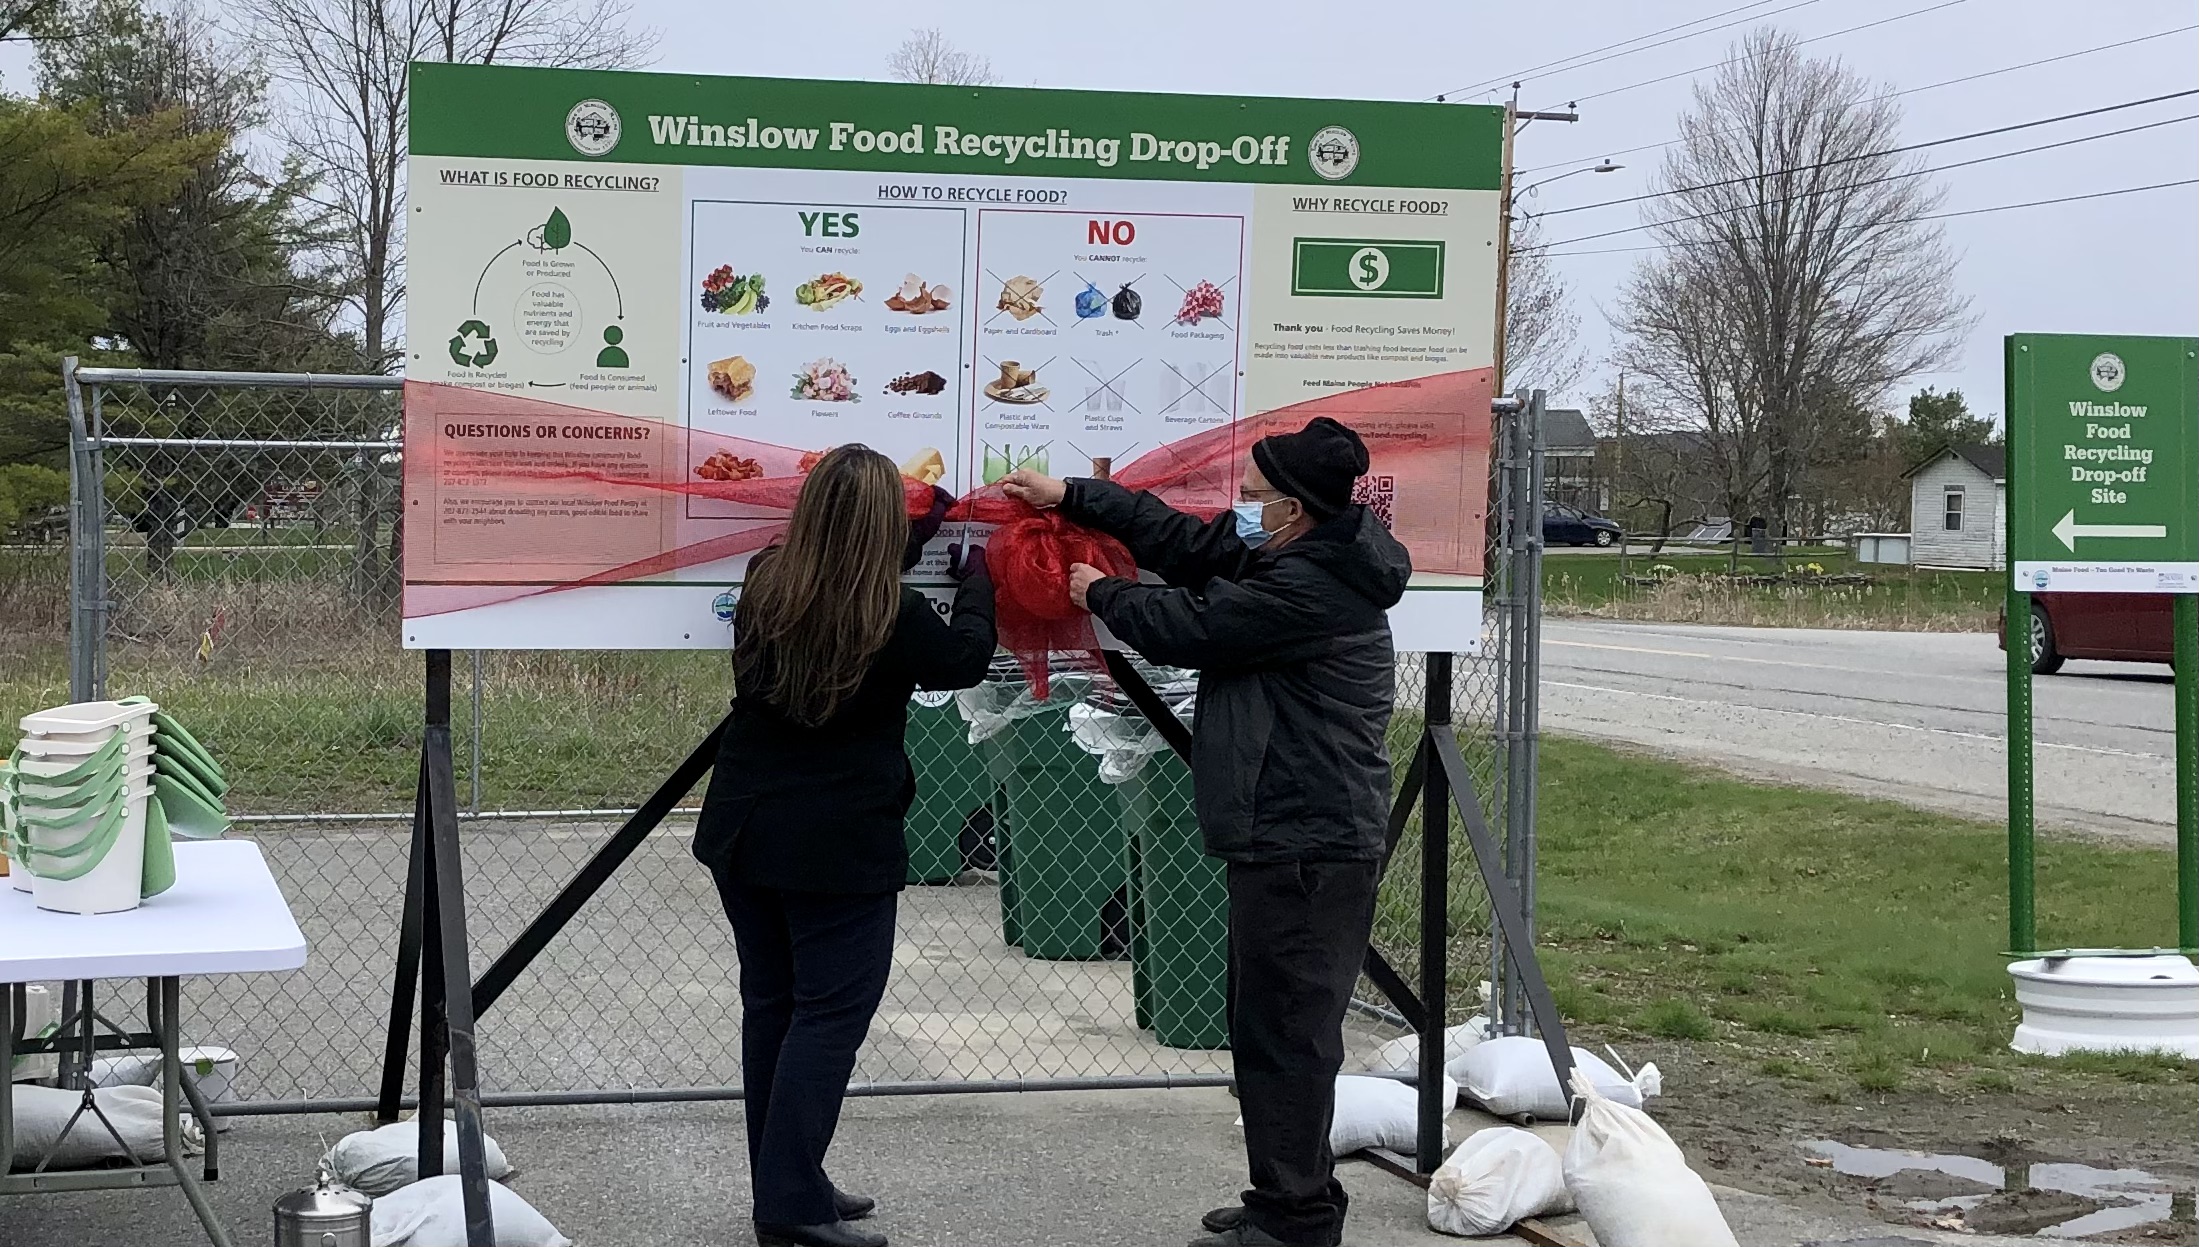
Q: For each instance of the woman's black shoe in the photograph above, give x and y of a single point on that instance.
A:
(852, 1207)
(830, 1234)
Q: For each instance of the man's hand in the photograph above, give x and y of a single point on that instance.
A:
(1040, 491)
(1082, 576)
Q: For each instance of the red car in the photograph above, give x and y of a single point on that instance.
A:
(2120, 627)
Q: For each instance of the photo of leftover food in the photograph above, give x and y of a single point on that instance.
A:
(926, 466)
(1128, 303)
(729, 295)
(827, 292)
(733, 377)
(826, 381)
(727, 466)
(1017, 385)
(916, 298)
(1091, 302)
(1019, 297)
(1200, 302)
(917, 383)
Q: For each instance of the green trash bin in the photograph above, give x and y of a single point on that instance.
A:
(1182, 943)
(952, 784)
(1062, 842)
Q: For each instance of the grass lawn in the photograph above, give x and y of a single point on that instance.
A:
(1844, 938)
(1903, 598)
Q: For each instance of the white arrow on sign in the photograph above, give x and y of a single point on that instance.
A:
(2069, 530)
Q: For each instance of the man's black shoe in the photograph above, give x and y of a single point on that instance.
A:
(1222, 1220)
(1242, 1234)
(830, 1234)
(852, 1207)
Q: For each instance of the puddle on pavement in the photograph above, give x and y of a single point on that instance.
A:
(2049, 1200)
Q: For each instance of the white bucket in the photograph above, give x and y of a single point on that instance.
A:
(215, 1071)
(90, 721)
(79, 746)
(2108, 1004)
(116, 884)
(42, 1014)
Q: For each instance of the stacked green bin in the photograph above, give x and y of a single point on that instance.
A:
(1181, 945)
(1063, 849)
(952, 782)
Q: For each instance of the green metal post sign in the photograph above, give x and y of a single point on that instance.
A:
(2103, 497)
(2103, 471)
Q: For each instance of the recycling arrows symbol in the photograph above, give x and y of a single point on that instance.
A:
(472, 346)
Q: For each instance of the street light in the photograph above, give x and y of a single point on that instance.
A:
(1506, 196)
(1605, 167)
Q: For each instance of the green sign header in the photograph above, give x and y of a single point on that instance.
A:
(2103, 474)
(631, 118)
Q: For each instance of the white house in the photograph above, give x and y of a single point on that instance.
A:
(1958, 509)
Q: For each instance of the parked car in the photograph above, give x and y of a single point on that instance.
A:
(2119, 627)
(1564, 525)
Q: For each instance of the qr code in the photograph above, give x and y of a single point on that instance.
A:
(1379, 494)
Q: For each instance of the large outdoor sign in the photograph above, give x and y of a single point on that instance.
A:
(2103, 472)
(639, 307)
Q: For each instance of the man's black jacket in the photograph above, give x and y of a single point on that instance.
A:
(1296, 670)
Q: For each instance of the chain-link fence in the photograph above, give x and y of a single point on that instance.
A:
(236, 550)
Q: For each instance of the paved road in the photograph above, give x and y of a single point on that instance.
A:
(1919, 717)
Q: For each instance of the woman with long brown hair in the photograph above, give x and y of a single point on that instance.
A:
(802, 825)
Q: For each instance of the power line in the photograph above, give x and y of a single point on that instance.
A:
(1934, 216)
(1562, 65)
(1895, 177)
(1929, 86)
(1933, 8)
(1891, 151)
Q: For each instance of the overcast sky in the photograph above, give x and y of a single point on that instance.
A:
(2127, 264)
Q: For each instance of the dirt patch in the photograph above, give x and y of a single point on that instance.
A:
(1746, 1129)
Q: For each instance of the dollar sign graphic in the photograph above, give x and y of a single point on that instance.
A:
(1368, 273)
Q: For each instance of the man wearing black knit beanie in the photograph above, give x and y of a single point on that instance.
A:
(1281, 605)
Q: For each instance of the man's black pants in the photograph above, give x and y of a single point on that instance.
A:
(1297, 938)
(813, 969)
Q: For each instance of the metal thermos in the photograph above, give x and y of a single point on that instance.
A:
(326, 1214)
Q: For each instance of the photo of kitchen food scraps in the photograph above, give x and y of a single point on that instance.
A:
(827, 292)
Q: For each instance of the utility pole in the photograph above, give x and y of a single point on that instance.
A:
(1514, 121)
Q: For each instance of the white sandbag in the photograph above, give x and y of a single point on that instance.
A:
(1380, 1112)
(42, 1113)
(1512, 1075)
(1632, 1183)
(1494, 1179)
(376, 1162)
(1402, 1054)
(433, 1214)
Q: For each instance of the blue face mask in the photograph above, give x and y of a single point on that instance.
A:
(1250, 516)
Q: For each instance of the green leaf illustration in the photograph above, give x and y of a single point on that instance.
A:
(557, 232)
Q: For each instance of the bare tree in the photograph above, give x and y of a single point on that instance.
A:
(1796, 284)
(926, 56)
(1541, 329)
(346, 64)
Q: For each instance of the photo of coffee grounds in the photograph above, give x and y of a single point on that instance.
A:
(917, 383)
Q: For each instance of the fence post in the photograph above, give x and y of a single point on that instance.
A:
(1529, 745)
(87, 549)
(1435, 915)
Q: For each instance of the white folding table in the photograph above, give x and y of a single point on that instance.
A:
(225, 915)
